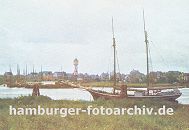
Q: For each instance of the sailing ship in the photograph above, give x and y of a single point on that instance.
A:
(151, 93)
(105, 95)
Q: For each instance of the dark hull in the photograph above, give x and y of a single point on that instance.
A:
(109, 96)
(163, 97)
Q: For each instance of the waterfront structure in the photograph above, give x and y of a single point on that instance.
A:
(59, 75)
(8, 76)
(105, 77)
(75, 73)
(186, 77)
(47, 75)
(75, 63)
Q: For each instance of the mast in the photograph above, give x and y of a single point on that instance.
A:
(10, 68)
(33, 72)
(61, 73)
(114, 46)
(10, 81)
(33, 69)
(41, 73)
(18, 72)
(147, 53)
(26, 72)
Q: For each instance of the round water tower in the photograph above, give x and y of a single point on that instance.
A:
(75, 62)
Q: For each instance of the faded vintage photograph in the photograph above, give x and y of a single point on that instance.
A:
(94, 65)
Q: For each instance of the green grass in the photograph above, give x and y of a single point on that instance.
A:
(178, 121)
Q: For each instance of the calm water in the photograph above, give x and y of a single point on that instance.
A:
(70, 94)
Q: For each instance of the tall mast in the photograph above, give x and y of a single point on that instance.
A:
(18, 72)
(33, 72)
(114, 46)
(61, 73)
(33, 69)
(10, 68)
(41, 73)
(147, 52)
(10, 81)
(26, 72)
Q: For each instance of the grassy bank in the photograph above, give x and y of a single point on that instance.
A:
(178, 121)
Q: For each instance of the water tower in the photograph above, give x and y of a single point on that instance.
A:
(75, 63)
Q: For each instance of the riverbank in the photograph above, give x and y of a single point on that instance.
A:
(70, 93)
(179, 120)
(52, 85)
(136, 85)
(99, 84)
(96, 84)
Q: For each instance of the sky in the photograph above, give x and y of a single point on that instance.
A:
(52, 33)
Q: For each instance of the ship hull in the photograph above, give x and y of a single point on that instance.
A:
(163, 97)
(109, 96)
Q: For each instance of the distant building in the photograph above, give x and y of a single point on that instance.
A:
(8, 77)
(59, 75)
(157, 76)
(47, 75)
(8, 74)
(186, 77)
(105, 76)
(81, 76)
(86, 77)
(121, 77)
(69, 76)
(95, 77)
(33, 76)
(135, 77)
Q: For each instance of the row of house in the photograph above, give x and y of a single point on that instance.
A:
(133, 77)
(157, 77)
(49, 75)
(186, 77)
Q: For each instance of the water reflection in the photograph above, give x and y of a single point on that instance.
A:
(71, 94)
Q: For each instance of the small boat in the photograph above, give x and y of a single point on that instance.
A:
(145, 94)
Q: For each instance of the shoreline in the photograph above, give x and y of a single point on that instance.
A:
(67, 100)
(97, 84)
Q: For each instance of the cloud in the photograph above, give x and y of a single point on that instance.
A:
(53, 33)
